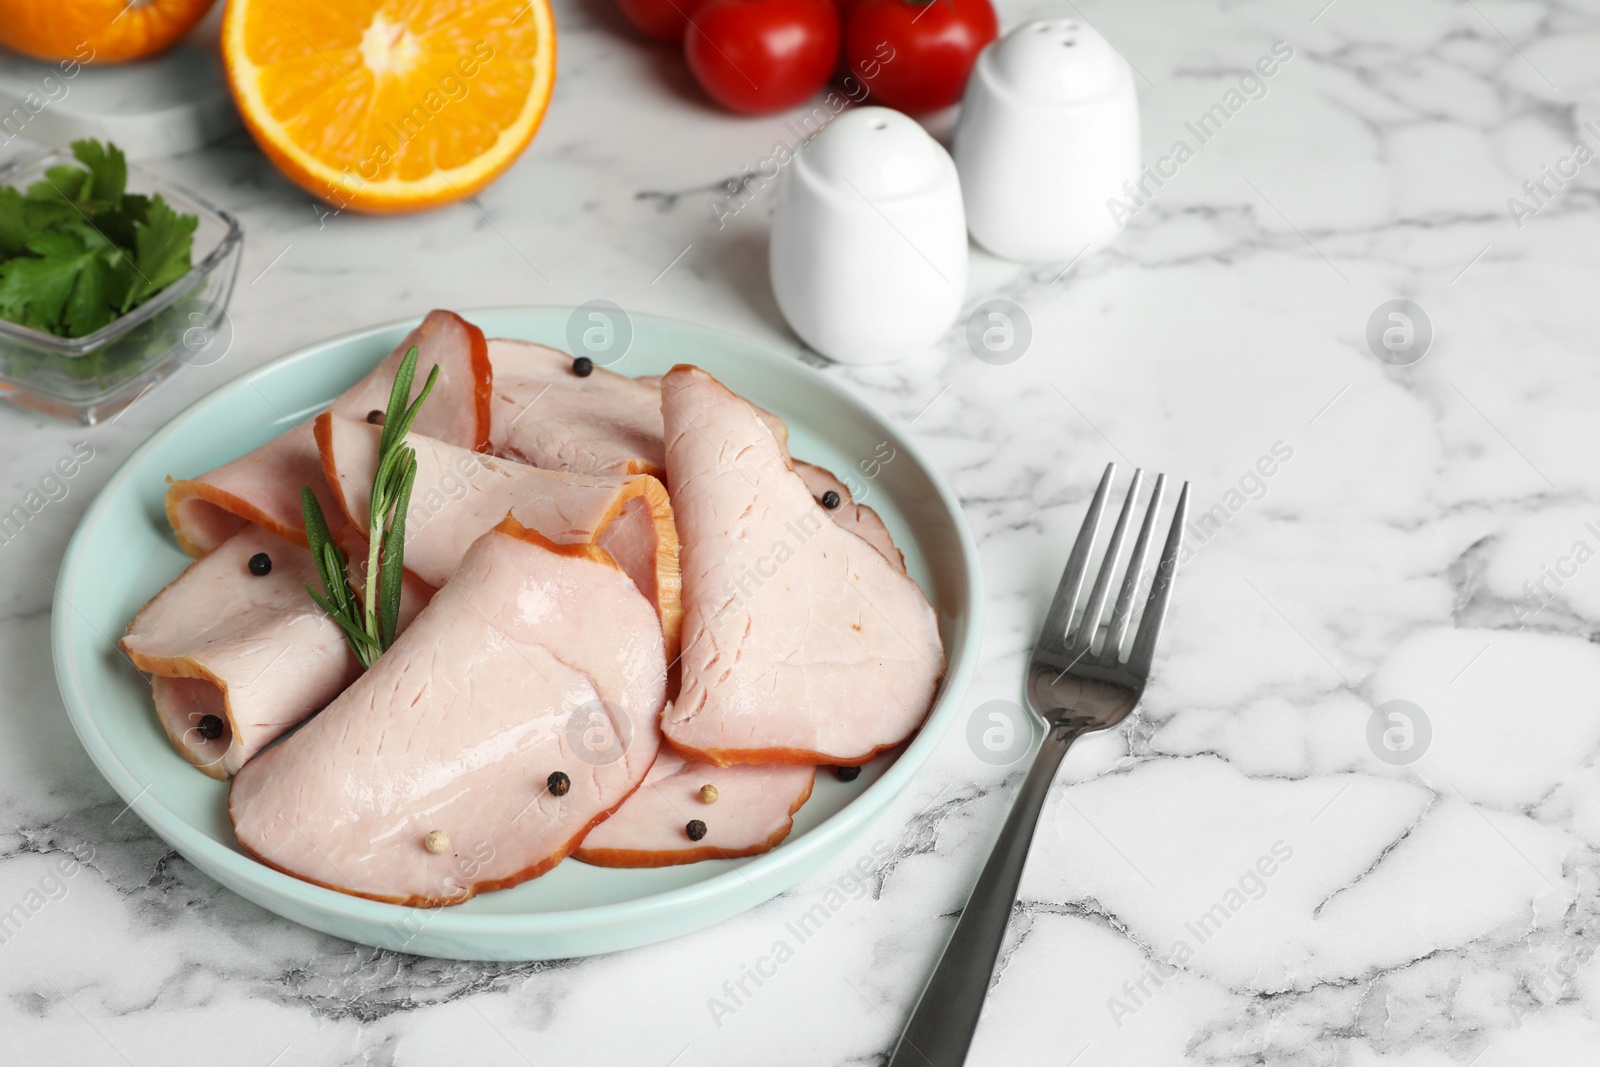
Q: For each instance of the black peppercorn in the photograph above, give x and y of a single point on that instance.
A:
(830, 500)
(558, 783)
(847, 774)
(260, 564)
(375, 417)
(583, 366)
(210, 727)
(696, 829)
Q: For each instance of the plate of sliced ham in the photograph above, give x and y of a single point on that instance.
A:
(646, 644)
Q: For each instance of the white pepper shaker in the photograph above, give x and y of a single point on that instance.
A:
(1049, 133)
(869, 244)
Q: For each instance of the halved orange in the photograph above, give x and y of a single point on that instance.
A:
(391, 105)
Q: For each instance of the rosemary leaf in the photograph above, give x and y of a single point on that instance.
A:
(359, 643)
(389, 592)
(416, 405)
(316, 526)
(335, 598)
(398, 394)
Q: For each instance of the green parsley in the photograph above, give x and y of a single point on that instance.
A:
(77, 250)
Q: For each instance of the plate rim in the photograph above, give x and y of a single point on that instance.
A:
(449, 922)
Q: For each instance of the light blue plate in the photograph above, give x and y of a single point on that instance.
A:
(123, 553)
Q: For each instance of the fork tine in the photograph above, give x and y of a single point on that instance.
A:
(1155, 610)
(1130, 584)
(1090, 623)
(1055, 623)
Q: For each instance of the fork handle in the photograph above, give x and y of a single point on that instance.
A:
(946, 1015)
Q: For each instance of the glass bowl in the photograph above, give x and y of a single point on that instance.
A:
(88, 379)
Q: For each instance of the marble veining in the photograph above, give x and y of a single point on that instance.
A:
(1431, 537)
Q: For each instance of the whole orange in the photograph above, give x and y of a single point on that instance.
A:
(97, 31)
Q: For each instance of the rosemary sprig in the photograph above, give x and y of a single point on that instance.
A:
(369, 621)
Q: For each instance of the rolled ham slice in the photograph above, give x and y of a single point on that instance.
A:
(459, 495)
(253, 650)
(534, 659)
(604, 423)
(263, 486)
(857, 518)
(753, 812)
(802, 643)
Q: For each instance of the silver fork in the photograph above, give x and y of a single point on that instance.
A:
(1075, 686)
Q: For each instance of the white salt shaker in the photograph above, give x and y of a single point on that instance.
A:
(869, 244)
(1049, 133)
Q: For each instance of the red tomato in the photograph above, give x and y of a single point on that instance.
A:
(662, 19)
(762, 55)
(932, 46)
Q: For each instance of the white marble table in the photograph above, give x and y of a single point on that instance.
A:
(1425, 536)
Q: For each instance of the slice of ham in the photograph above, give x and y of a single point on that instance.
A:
(753, 811)
(504, 678)
(604, 423)
(459, 495)
(857, 518)
(253, 650)
(546, 415)
(263, 486)
(802, 644)
(779, 428)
